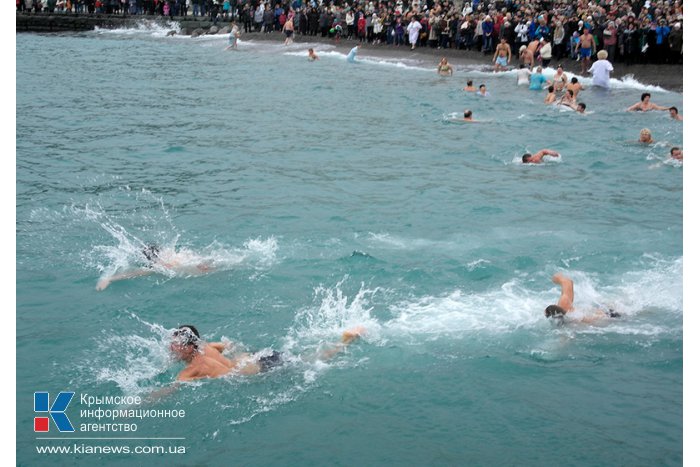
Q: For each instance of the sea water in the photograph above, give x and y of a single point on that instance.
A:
(328, 195)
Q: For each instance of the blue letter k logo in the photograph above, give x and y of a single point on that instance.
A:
(58, 409)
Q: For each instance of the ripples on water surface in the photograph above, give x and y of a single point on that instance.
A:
(330, 195)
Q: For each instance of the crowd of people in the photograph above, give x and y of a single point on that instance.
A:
(630, 31)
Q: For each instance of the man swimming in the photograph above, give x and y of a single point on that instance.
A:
(551, 96)
(502, 55)
(205, 359)
(574, 86)
(581, 108)
(468, 116)
(673, 112)
(537, 157)
(566, 302)
(677, 153)
(470, 86)
(166, 260)
(312, 55)
(482, 91)
(646, 105)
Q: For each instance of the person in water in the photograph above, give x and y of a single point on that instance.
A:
(353, 52)
(551, 96)
(565, 304)
(645, 136)
(537, 157)
(673, 112)
(645, 105)
(312, 55)
(676, 153)
(470, 86)
(155, 258)
(468, 116)
(205, 359)
(444, 68)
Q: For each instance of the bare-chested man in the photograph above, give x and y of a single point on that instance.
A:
(586, 46)
(677, 153)
(574, 86)
(673, 112)
(537, 157)
(551, 96)
(205, 359)
(502, 55)
(526, 57)
(565, 304)
(645, 105)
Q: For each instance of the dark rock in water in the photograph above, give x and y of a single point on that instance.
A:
(213, 30)
(185, 32)
(171, 33)
(197, 32)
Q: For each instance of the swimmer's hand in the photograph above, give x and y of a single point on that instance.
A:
(102, 284)
(353, 334)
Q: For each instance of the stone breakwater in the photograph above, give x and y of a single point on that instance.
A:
(57, 22)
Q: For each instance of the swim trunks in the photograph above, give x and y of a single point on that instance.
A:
(270, 361)
(289, 34)
(585, 52)
(503, 61)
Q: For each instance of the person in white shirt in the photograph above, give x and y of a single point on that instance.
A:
(601, 70)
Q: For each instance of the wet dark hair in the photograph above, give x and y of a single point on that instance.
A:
(151, 251)
(574, 80)
(187, 335)
(526, 157)
(675, 148)
(482, 86)
(582, 105)
(673, 108)
(645, 94)
(467, 113)
(470, 82)
(554, 311)
(550, 89)
(571, 93)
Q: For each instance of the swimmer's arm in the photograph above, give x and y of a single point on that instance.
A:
(566, 300)
(547, 152)
(634, 107)
(658, 107)
(104, 283)
(220, 346)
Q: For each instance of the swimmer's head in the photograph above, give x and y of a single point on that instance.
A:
(571, 93)
(526, 157)
(467, 113)
(574, 80)
(550, 89)
(645, 95)
(470, 83)
(677, 153)
(185, 341)
(581, 107)
(673, 111)
(554, 311)
(482, 86)
(151, 252)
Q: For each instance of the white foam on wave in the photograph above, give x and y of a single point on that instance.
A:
(386, 240)
(639, 296)
(142, 27)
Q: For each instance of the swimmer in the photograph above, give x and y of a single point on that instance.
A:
(154, 258)
(233, 37)
(482, 91)
(468, 116)
(538, 81)
(537, 157)
(565, 304)
(560, 80)
(645, 136)
(568, 99)
(523, 75)
(581, 108)
(353, 52)
(677, 153)
(645, 105)
(470, 86)
(551, 96)
(502, 56)
(574, 86)
(444, 68)
(601, 70)
(312, 55)
(673, 112)
(205, 359)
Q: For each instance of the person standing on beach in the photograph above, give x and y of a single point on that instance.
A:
(545, 52)
(586, 47)
(502, 55)
(414, 29)
(288, 31)
(601, 70)
(526, 57)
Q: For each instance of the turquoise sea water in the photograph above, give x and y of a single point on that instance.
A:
(329, 195)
